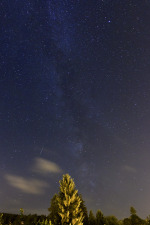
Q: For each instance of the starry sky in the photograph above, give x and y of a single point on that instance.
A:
(75, 98)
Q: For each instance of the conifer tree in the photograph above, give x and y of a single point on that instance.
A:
(69, 202)
(54, 215)
(84, 210)
(132, 211)
(111, 220)
(92, 219)
(100, 218)
(134, 218)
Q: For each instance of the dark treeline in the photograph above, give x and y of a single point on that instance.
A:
(89, 219)
(68, 208)
(16, 219)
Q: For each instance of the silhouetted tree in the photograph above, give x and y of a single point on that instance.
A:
(132, 211)
(100, 220)
(147, 220)
(53, 209)
(84, 210)
(111, 220)
(127, 221)
(92, 219)
(134, 218)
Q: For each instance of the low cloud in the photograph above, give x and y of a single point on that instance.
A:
(129, 169)
(45, 166)
(30, 186)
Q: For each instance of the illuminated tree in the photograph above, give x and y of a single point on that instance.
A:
(67, 203)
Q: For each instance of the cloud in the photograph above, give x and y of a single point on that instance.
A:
(30, 186)
(45, 166)
(129, 169)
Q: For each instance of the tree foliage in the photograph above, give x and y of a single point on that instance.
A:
(1, 218)
(66, 207)
(84, 210)
(45, 222)
(132, 211)
(100, 220)
(111, 220)
(53, 209)
(92, 219)
(134, 219)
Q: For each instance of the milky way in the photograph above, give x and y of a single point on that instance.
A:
(74, 94)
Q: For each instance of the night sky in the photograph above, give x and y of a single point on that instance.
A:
(75, 98)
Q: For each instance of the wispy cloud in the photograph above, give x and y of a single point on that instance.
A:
(45, 166)
(31, 186)
(129, 169)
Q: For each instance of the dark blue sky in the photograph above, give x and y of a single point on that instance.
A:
(75, 98)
